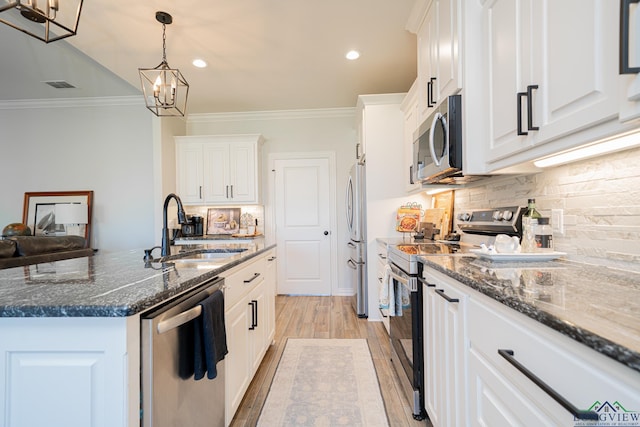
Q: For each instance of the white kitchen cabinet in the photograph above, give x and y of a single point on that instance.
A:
(69, 371)
(552, 67)
(247, 308)
(218, 169)
(438, 54)
(630, 77)
(271, 284)
(502, 395)
(409, 107)
(445, 351)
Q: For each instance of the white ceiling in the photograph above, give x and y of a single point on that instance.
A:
(263, 54)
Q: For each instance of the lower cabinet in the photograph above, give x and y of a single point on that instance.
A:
(70, 371)
(489, 365)
(445, 352)
(249, 317)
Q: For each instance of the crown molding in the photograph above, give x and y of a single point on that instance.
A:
(320, 113)
(107, 101)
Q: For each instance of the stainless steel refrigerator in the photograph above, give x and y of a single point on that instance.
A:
(356, 223)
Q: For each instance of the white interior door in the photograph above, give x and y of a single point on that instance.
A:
(303, 220)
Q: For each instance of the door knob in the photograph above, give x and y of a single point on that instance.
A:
(326, 233)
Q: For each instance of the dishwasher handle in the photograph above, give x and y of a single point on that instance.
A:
(179, 319)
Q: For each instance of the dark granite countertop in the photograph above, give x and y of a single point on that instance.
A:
(109, 284)
(592, 304)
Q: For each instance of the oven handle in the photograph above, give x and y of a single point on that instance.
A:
(400, 279)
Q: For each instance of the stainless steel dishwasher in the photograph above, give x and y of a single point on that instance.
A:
(171, 397)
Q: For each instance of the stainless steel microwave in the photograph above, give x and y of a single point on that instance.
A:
(437, 147)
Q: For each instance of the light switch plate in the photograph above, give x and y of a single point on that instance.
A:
(557, 221)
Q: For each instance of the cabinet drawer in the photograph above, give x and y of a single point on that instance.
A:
(579, 374)
(240, 280)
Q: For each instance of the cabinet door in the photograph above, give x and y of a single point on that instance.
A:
(427, 58)
(445, 354)
(270, 279)
(508, 43)
(237, 361)
(189, 170)
(447, 64)
(258, 306)
(410, 109)
(242, 172)
(576, 70)
(216, 175)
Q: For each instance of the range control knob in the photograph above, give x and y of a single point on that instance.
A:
(507, 215)
(464, 216)
(497, 215)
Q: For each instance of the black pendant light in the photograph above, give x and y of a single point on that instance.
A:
(165, 89)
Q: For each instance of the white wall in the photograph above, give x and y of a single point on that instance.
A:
(84, 146)
(600, 198)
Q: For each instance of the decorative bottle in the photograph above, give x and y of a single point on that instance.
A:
(543, 235)
(529, 221)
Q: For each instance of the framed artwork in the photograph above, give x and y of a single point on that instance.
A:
(223, 221)
(38, 211)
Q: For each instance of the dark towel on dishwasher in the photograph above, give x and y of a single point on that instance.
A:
(210, 338)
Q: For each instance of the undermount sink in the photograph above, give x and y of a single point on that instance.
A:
(207, 255)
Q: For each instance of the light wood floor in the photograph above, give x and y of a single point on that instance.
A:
(326, 317)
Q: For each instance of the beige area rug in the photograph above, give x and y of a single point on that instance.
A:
(324, 382)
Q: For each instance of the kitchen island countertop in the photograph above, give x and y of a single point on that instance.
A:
(592, 304)
(110, 284)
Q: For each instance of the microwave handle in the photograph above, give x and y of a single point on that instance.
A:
(438, 117)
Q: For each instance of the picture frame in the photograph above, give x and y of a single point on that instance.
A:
(39, 215)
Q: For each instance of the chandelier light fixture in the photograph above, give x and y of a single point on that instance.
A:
(46, 20)
(165, 89)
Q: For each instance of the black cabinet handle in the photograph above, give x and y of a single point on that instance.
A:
(256, 311)
(271, 259)
(200, 192)
(445, 296)
(519, 112)
(253, 316)
(577, 413)
(411, 175)
(231, 191)
(255, 276)
(227, 191)
(624, 38)
(530, 125)
(424, 282)
(430, 100)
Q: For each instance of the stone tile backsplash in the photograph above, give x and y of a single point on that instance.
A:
(600, 199)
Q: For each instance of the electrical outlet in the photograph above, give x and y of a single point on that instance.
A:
(557, 221)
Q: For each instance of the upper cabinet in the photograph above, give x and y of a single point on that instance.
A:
(629, 60)
(409, 107)
(438, 54)
(551, 71)
(218, 169)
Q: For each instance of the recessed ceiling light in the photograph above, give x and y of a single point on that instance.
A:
(353, 54)
(200, 63)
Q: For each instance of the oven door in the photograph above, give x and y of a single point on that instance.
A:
(405, 331)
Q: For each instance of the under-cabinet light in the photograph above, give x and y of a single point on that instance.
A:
(604, 146)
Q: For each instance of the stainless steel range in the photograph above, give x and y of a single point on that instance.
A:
(406, 330)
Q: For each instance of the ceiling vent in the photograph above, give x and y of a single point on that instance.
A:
(60, 84)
